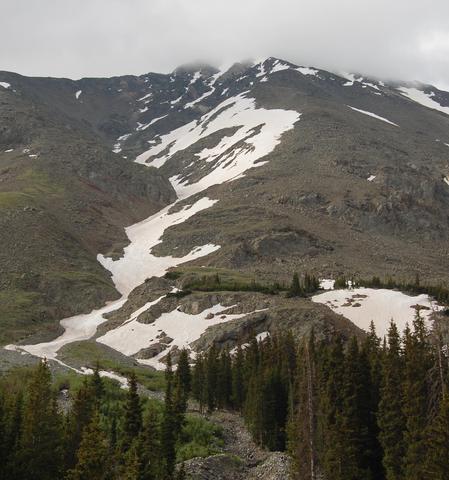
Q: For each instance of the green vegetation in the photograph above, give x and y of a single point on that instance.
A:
(91, 352)
(358, 410)
(99, 431)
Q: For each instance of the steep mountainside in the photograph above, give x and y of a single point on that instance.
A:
(351, 178)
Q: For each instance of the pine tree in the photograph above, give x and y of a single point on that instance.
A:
(437, 458)
(168, 426)
(133, 413)
(151, 447)
(41, 453)
(295, 287)
(92, 455)
(77, 419)
(183, 382)
(198, 380)
(97, 384)
(391, 419)
(238, 392)
(418, 361)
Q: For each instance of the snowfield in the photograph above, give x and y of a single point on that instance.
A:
(361, 305)
(137, 263)
(370, 114)
(77, 328)
(258, 132)
(184, 328)
(423, 98)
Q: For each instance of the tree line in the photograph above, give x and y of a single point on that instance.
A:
(343, 409)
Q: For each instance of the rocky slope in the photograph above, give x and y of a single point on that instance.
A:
(352, 177)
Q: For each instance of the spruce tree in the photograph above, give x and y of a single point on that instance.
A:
(133, 413)
(391, 419)
(418, 361)
(437, 457)
(168, 426)
(92, 455)
(295, 287)
(41, 452)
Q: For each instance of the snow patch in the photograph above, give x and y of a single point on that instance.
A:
(78, 93)
(9, 150)
(182, 327)
(234, 154)
(423, 98)
(361, 305)
(5, 85)
(373, 115)
(138, 263)
(371, 178)
(307, 71)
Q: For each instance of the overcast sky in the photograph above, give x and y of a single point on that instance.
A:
(406, 39)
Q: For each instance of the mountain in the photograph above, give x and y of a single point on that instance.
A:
(250, 173)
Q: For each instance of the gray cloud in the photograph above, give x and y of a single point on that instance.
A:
(406, 39)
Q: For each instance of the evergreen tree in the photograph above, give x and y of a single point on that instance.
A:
(169, 426)
(77, 419)
(41, 453)
(295, 287)
(418, 361)
(437, 457)
(391, 419)
(92, 455)
(133, 413)
(238, 392)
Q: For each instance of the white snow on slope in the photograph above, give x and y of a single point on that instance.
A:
(182, 327)
(5, 85)
(373, 115)
(307, 71)
(77, 328)
(137, 263)
(118, 145)
(232, 160)
(446, 180)
(352, 79)
(78, 93)
(371, 178)
(423, 98)
(378, 305)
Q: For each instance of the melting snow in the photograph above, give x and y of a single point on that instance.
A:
(361, 305)
(137, 263)
(9, 150)
(373, 115)
(184, 328)
(78, 93)
(307, 71)
(148, 95)
(234, 157)
(5, 85)
(371, 178)
(423, 98)
(446, 180)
